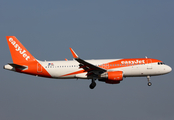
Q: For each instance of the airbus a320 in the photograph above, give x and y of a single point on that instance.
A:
(111, 71)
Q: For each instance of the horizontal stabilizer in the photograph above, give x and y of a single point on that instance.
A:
(17, 66)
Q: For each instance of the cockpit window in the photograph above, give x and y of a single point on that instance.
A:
(161, 63)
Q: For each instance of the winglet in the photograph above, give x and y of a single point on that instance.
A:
(73, 53)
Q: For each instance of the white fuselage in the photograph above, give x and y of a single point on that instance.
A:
(69, 69)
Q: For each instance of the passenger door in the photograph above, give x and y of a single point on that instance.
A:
(149, 63)
(39, 68)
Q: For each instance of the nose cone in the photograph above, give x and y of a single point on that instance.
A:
(168, 69)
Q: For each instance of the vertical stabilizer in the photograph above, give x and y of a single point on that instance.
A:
(18, 52)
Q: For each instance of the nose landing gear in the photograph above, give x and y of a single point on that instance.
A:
(148, 79)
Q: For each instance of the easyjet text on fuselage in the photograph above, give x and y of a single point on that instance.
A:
(133, 62)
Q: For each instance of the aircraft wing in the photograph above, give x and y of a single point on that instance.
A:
(88, 67)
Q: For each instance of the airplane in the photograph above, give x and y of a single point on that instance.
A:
(111, 71)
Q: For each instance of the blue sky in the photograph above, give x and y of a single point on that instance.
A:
(95, 30)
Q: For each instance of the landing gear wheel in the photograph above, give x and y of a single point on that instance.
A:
(92, 85)
(149, 83)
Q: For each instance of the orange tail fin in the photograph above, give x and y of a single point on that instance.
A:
(18, 52)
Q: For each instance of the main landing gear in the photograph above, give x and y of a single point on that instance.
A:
(148, 79)
(93, 84)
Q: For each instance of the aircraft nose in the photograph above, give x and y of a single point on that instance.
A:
(168, 69)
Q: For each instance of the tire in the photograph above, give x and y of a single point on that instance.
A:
(92, 85)
(149, 83)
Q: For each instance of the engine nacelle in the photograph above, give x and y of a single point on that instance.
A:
(112, 77)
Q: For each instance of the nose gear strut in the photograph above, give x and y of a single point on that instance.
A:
(148, 79)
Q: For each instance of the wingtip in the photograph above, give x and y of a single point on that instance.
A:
(73, 53)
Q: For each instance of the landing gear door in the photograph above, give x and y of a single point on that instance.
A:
(149, 63)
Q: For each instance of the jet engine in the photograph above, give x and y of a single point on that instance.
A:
(111, 77)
